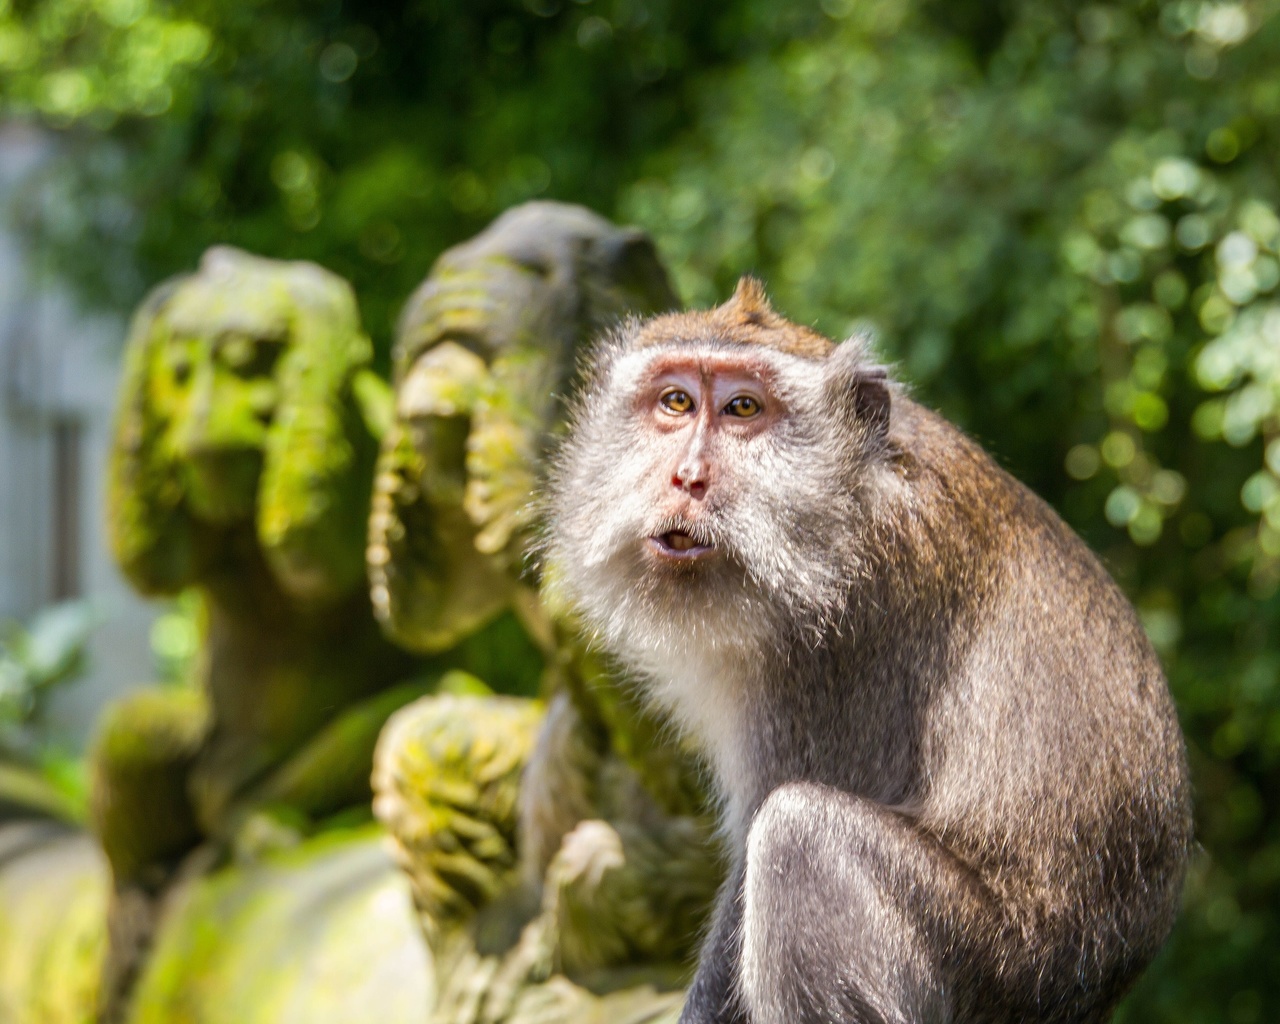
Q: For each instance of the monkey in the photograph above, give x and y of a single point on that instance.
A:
(950, 774)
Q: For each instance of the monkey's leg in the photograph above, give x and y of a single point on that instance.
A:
(714, 996)
(850, 914)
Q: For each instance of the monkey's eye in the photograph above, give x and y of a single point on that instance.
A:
(744, 406)
(676, 401)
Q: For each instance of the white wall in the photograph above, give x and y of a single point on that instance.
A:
(58, 365)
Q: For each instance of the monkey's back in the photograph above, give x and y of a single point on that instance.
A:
(1051, 757)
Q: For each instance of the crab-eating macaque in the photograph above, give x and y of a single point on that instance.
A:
(951, 775)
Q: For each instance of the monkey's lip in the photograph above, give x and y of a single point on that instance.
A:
(679, 546)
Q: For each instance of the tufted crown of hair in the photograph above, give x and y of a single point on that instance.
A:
(746, 318)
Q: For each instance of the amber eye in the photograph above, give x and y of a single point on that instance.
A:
(676, 401)
(744, 406)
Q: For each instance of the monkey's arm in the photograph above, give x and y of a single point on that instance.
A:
(446, 778)
(713, 996)
(431, 585)
(319, 453)
(852, 913)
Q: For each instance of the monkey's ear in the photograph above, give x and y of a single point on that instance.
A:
(871, 398)
(155, 541)
(859, 385)
(313, 501)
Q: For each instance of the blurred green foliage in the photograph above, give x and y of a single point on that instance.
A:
(367, 137)
(35, 660)
(1062, 218)
(39, 769)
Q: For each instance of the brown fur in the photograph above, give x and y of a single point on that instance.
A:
(747, 318)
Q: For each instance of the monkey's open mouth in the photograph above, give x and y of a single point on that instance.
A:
(677, 544)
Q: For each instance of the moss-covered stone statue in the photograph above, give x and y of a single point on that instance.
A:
(54, 887)
(561, 862)
(242, 467)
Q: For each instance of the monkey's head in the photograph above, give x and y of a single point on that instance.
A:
(485, 348)
(715, 472)
(237, 417)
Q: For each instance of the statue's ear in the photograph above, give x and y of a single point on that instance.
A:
(859, 385)
(318, 469)
(154, 539)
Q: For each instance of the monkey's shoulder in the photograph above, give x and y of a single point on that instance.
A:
(952, 477)
(991, 532)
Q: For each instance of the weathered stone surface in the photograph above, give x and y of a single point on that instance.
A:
(324, 933)
(447, 777)
(484, 355)
(237, 406)
(579, 893)
(54, 886)
(143, 751)
(242, 467)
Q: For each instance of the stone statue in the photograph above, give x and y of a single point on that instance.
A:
(242, 467)
(561, 862)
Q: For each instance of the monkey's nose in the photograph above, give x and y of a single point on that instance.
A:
(690, 480)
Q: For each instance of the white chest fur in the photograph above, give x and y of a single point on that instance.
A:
(705, 699)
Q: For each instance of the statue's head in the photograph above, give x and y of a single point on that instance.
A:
(485, 353)
(237, 417)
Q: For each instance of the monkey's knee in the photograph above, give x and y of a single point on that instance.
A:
(789, 845)
(822, 938)
(787, 965)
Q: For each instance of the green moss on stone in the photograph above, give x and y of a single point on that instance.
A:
(237, 404)
(447, 774)
(54, 888)
(321, 934)
(452, 504)
(332, 771)
(243, 463)
(143, 750)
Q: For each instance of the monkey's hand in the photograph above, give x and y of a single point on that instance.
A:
(431, 585)
(623, 893)
(143, 752)
(446, 777)
(156, 542)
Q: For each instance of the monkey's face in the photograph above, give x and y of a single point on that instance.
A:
(217, 396)
(705, 420)
(702, 490)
